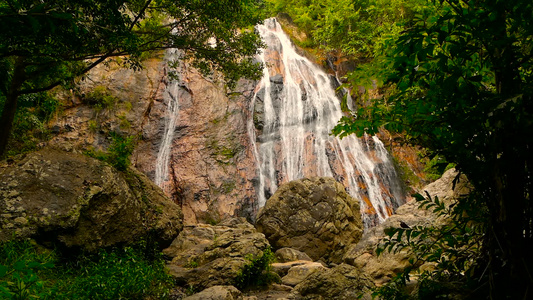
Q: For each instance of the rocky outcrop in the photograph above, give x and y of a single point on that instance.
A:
(77, 201)
(313, 215)
(384, 267)
(341, 282)
(211, 169)
(206, 255)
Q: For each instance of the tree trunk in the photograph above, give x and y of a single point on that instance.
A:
(10, 106)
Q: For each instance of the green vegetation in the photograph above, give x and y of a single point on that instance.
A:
(358, 28)
(221, 153)
(30, 272)
(454, 249)
(459, 82)
(118, 153)
(30, 122)
(100, 98)
(47, 44)
(257, 272)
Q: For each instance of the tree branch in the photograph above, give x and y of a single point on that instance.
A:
(138, 17)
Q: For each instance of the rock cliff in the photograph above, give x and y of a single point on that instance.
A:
(211, 167)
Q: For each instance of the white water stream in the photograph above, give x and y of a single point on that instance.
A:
(171, 99)
(295, 108)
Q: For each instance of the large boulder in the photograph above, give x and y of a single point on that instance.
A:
(313, 215)
(207, 255)
(341, 282)
(298, 273)
(77, 201)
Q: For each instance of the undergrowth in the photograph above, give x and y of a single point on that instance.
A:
(28, 271)
(30, 124)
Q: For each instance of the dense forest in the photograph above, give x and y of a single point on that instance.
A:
(456, 78)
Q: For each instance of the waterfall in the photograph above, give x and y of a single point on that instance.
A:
(171, 99)
(294, 109)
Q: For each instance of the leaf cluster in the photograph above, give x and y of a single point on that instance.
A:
(118, 153)
(55, 41)
(20, 268)
(452, 247)
(357, 28)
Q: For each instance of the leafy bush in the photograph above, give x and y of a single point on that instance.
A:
(27, 272)
(124, 273)
(100, 98)
(454, 248)
(119, 151)
(257, 272)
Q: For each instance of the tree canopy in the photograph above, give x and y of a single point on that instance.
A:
(461, 85)
(45, 44)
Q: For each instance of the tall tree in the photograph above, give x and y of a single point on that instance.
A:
(46, 43)
(463, 82)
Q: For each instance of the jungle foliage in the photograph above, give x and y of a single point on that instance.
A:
(459, 81)
(28, 271)
(356, 27)
(52, 43)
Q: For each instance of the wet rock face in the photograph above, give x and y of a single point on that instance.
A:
(312, 215)
(206, 255)
(81, 202)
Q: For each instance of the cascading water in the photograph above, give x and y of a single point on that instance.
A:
(171, 99)
(294, 109)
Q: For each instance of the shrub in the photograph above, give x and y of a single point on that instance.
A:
(100, 98)
(453, 247)
(29, 125)
(257, 272)
(119, 151)
(121, 273)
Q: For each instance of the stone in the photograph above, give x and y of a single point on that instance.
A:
(289, 254)
(312, 215)
(341, 282)
(79, 202)
(298, 273)
(218, 292)
(283, 268)
(206, 255)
